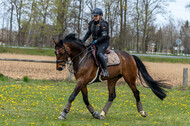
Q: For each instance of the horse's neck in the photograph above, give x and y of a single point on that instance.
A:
(77, 54)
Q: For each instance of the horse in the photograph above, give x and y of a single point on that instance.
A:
(85, 68)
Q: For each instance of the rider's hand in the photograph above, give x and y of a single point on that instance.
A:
(94, 42)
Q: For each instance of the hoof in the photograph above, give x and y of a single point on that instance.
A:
(96, 115)
(143, 113)
(102, 117)
(62, 116)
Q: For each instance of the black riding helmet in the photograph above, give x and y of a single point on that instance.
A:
(97, 11)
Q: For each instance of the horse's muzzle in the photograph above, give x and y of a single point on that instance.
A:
(60, 68)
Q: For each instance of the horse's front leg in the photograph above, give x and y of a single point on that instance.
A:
(77, 89)
(89, 107)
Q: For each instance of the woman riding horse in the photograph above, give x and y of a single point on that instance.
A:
(85, 67)
(99, 29)
(85, 70)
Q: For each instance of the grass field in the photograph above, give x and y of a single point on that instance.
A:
(27, 51)
(39, 102)
(166, 60)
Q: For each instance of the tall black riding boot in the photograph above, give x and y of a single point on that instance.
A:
(103, 64)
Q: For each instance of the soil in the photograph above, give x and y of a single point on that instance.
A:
(172, 73)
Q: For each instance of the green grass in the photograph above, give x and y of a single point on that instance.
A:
(3, 78)
(26, 79)
(27, 51)
(167, 60)
(39, 102)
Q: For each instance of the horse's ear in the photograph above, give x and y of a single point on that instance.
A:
(54, 41)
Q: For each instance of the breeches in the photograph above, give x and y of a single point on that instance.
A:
(101, 48)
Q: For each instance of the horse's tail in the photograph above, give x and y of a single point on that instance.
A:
(156, 86)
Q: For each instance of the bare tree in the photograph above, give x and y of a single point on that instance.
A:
(11, 21)
(170, 34)
(61, 11)
(3, 5)
(121, 24)
(150, 8)
(79, 23)
(44, 6)
(159, 41)
(125, 22)
(185, 36)
(137, 22)
(108, 17)
(31, 15)
(18, 7)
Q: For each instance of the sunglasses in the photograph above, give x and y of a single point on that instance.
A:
(95, 15)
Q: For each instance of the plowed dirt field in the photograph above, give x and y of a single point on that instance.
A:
(173, 73)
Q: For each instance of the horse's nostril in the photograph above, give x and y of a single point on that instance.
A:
(60, 69)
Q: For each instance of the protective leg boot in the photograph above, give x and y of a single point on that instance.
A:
(103, 64)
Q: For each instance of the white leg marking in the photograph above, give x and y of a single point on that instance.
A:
(102, 113)
(143, 113)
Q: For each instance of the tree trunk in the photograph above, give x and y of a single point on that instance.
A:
(125, 25)
(11, 22)
(79, 19)
(2, 37)
(137, 25)
(19, 6)
(29, 25)
(145, 29)
(62, 11)
(121, 25)
(110, 21)
(42, 34)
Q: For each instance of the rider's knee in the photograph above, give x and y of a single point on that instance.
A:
(99, 55)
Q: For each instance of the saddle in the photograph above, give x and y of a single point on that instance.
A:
(112, 59)
(110, 56)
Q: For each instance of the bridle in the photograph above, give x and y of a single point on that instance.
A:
(70, 61)
(67, 54)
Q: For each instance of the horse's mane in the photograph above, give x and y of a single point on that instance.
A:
(72, 38)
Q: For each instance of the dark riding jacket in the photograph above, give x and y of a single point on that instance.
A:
(99, 31)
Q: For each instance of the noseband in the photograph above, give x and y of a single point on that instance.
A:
(67, 54)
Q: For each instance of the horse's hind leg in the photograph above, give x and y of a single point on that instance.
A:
(112, 95)
(136, 93)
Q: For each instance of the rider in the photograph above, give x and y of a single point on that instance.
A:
(99, 29)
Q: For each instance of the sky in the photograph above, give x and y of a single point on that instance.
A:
(177, 10)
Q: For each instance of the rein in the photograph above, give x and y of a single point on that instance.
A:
(71, 64)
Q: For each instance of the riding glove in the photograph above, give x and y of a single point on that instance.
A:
(94, 42)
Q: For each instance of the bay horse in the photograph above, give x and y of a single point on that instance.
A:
(85, 70)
